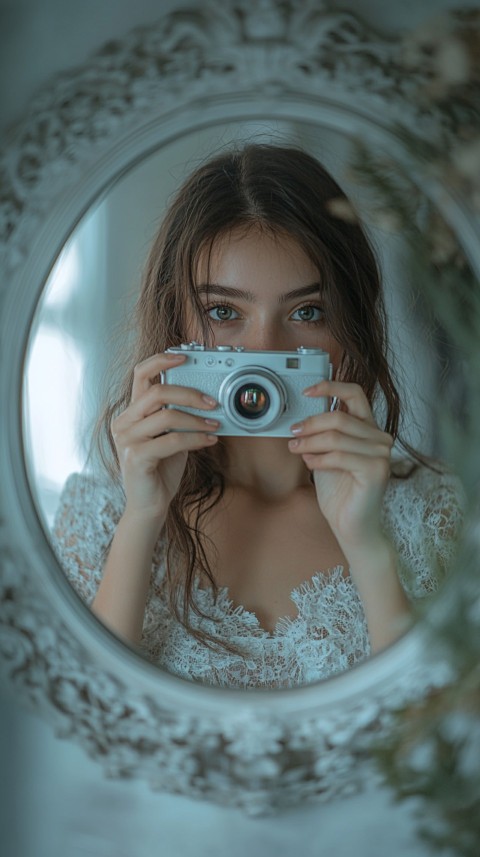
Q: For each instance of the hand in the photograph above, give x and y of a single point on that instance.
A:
(349, 457)
(153, 441)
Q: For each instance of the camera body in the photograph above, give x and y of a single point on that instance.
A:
(259, 393)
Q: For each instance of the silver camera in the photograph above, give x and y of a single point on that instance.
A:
(259, 392)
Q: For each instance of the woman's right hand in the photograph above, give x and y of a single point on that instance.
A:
(153, 441)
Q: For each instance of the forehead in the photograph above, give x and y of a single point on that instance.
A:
(253, 255)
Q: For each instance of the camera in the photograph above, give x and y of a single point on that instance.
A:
(259, 393)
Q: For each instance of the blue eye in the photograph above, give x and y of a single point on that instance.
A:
(222, 312)
(309, 313)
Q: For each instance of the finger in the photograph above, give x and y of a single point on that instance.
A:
(160, 395)
(169, 420)
(351, 395)
(336, 441)
(374, 469)
(167, 445)
(342, 422)
(146, 373)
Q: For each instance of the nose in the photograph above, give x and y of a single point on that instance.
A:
(267, 337)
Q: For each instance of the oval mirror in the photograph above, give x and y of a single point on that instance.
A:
(92, 291)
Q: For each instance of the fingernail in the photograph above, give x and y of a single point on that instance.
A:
(297, 429)
(309, 391)
(175, 356)
(209, 400)
(293, 444)
(212, 422)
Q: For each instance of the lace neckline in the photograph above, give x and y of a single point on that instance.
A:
(301, 595)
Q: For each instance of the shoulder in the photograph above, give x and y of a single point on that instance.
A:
(423, 513)
(88, 511)
(409, 479)
(87, 491)
(418, 495)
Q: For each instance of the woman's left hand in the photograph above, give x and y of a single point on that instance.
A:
(350, 460)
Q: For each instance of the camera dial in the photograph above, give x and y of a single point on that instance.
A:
(189, 346)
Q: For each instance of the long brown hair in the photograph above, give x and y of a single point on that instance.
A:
(285, 190)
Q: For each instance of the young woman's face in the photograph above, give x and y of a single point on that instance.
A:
(262, 291)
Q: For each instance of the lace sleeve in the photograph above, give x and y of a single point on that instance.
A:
(85, 521)
(425, 515)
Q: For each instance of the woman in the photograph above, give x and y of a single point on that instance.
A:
(257, 561)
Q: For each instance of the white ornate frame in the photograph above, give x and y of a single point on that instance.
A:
(225, 61)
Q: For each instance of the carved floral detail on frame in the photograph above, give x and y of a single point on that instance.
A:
(221, 48)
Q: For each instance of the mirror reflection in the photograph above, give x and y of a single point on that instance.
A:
(264, 508)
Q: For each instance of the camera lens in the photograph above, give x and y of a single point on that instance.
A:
(253, 398)
(251, 401)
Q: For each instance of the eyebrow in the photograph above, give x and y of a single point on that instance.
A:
(246, 295)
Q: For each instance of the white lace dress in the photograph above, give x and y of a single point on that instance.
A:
(421, 514)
